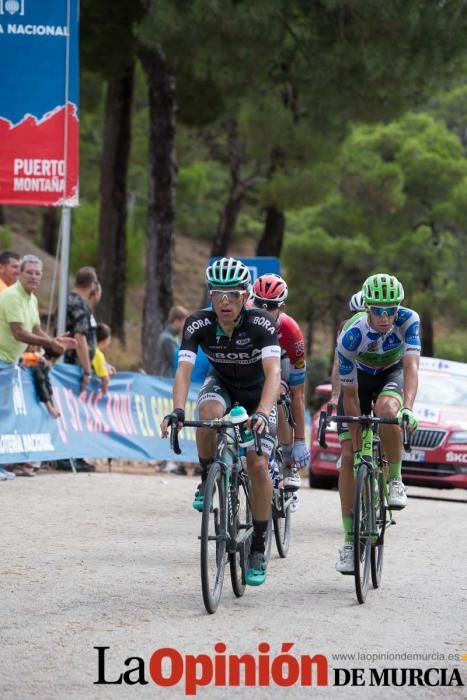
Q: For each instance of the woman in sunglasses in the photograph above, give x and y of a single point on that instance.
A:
(242, 346)
(378, 355)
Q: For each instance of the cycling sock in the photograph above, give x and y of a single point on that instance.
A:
(395, 470)
(347, 523)
(204, 463)
(287, 454)
(259, 534)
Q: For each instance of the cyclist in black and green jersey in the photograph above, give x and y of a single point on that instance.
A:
(242, 346)
(378, 353)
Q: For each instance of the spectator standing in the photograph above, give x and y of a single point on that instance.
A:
(9, 269)
(20, 322)
(80, 321)
(169, 341)
(19, 316)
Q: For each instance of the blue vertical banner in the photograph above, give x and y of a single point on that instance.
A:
(39, 109)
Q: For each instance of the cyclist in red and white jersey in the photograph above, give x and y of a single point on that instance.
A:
(270, 292)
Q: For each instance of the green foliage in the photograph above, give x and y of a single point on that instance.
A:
(202, 187)
(6, 238)
(84, 238)
(416, 214)
(135, 248)
(324, 271)
(84, 243)
(452, 346)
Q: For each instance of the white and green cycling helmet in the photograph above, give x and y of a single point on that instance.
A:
(227, 273)
(382, 289)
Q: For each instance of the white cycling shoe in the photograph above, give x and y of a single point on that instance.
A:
(345, 563)
(397, 495)
(292, 480)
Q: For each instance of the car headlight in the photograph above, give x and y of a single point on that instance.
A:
(459, 436)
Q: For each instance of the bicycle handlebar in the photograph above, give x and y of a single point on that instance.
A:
(213, 424)
(325, 419)
(286, 402)
(174, 443)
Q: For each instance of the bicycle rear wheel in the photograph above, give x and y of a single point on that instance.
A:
(243, 523)
(362, 533)
(282, 522)
(213, 538)
(377, 547)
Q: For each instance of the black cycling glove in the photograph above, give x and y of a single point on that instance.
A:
(178, 414)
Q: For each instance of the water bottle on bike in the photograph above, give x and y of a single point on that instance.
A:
(239, 418)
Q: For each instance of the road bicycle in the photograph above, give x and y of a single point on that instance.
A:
(227, 523)
(283, 500)
(371, 514)
(281, 507)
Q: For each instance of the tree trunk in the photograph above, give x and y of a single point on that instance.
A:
(229, 215)
(49, 232)
(161, 215)
(271, 241)
(427, 334)
(111, 266)
(2, 216)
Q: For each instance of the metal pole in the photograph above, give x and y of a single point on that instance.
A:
(64, 262)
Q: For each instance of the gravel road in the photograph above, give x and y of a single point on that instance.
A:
(111, 560)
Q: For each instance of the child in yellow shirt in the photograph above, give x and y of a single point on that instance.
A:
(99, 364)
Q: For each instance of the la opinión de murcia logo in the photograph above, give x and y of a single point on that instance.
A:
(12, 7)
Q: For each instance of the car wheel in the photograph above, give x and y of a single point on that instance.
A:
(320, 482)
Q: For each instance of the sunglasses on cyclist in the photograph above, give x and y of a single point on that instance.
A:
(268, 305)
(230, 295)
(384, 310)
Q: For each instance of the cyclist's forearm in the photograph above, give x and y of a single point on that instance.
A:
(410, 383)
(181, 385)
(270, 391)
(298, 411)
(335, 379)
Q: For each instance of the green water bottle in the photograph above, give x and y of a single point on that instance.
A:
(239, 417)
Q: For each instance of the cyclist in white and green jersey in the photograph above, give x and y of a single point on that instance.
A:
(378, 351)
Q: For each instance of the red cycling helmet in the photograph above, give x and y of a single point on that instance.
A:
(270, 289)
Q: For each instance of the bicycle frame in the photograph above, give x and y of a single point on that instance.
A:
(369, 514)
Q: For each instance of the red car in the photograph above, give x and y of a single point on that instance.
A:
(439, 445)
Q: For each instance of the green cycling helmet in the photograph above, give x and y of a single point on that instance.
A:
(382, 289)
(228, 272)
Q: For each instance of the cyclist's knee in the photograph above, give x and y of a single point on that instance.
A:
(387, 406)
(257, 467)
(210, 409)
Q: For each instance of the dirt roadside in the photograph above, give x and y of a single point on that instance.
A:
(111, 559)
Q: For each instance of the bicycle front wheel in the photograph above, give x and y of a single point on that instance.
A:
(282, 526)
(213, 538)
(362, 533)
(243, 524)
(377, 546)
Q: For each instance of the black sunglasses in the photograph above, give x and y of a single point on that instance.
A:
(268, 305)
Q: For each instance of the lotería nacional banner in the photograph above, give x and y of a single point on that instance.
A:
(122, 424)
(39, 90)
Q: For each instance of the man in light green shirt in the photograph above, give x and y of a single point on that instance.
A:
(19, 316)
